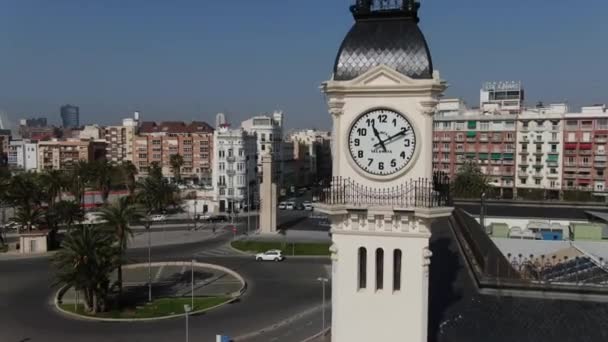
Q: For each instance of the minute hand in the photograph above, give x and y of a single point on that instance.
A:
(392, 137)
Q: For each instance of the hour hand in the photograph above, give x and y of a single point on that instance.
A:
(377, 134)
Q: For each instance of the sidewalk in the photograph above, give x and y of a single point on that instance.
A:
(140, 238)
(292, 236)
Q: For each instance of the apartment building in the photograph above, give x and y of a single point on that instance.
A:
(23, 155)
(120, 140)
(310, 150)
(5, 138)
(540, 149)
(484, 135)
(585, 138)
(234, 168)
(63, 154)
(157, 142)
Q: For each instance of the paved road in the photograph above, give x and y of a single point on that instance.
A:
(275, 292)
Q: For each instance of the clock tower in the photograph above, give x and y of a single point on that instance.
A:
(383, 196)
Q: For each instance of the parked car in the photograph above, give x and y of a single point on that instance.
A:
(270, 255)
(299, 206)
(308, 206)
(158, 218)
(218, 218)
(290, 206)
(282, 205)
(11, 226)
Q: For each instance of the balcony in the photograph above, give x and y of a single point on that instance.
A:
(459, 150)
(599, 165)
(459, 138)
(552, 163)
(538, 153)
(524, 152)
(232, 159)
(538, 175)
(230, 172)
(435, 149)
(585, 152)
(522, 174)
(552, 175)
(436, 138)
(508, 162)
(424, 193)
(601, 140)
(523, 163)
(446, 139)
(569, 176)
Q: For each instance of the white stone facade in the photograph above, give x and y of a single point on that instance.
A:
(268, 130)
(380, 254)
(233, 168)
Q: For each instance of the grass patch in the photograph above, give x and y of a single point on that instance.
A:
(287, 248)
(158, 308)
(4, 249)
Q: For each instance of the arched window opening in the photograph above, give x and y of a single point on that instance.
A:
(379, 269)
(362, 268)
(397, 270)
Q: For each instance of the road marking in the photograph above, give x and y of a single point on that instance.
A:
(158, 273)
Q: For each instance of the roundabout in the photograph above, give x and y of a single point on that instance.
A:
(160, 290)
(272, 307)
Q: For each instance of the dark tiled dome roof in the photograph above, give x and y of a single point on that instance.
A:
(393, 40)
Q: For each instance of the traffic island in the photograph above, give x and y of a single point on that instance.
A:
(174, 284)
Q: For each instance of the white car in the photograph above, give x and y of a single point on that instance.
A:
(271, 255)
(308, 206)
(290, 206)
(11, 226)
(282, 205)
(158, 218)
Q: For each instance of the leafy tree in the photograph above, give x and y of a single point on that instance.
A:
(85, 263)
(177, 161)
(118, 218)
(470, 182)
(156, 173)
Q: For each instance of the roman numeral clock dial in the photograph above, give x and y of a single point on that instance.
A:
(382, 142)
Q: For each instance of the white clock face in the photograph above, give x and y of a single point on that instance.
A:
(382, 142)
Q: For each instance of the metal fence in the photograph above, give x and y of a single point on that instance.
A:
(420, 192)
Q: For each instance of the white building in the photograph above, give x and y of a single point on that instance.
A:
(539, 148)
(233, 168)
(269, 132)
(23, 154)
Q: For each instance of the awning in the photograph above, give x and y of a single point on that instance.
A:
(472, 124)
(470, 155)
(471, 134)
(552, 158)
(584, 181)
(483, 156)
(570, 146)
(585, 146)
(508, 156)
(496, 156)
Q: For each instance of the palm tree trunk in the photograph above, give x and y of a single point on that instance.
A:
(119, 278)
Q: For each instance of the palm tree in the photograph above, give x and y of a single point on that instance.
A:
(68, 213)
(52, 182)
(28, 217)
(101, 172)
(177, 161)
(77, 180)
(129, 171)
(118, 218)
(85, 262)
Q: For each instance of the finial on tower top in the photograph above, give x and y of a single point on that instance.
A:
(365, 9)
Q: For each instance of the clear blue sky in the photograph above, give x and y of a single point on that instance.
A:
(188, 59)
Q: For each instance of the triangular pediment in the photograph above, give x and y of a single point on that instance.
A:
(383, 76)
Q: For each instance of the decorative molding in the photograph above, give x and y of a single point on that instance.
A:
(426, 260)
(428, 107)
(336, 106)
(405, 224)
(333, 249)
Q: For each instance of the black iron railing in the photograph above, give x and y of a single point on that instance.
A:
(420, 192)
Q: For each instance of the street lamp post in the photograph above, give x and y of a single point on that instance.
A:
(149, 229)
(192, 284)
(187, 310)
(195, 205)
(323, 282)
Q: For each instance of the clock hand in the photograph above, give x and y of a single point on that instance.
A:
(377, 134)
(389, 139)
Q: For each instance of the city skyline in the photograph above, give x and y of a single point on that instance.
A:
(179, 61)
